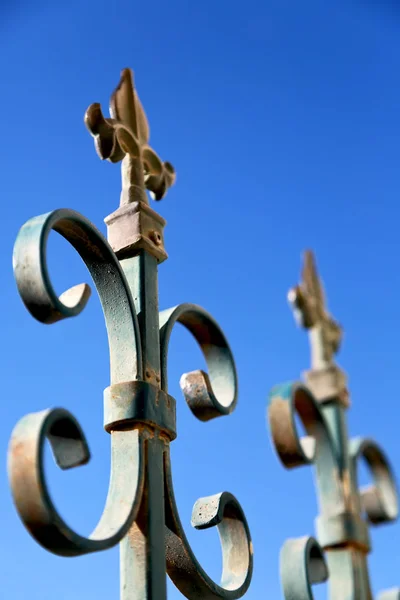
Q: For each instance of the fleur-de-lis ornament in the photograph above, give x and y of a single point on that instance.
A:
(309, 304)
(125, 136)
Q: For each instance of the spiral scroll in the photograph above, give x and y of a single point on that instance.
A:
(40, 299)
(30, 490)
(209, 395)
(223, 511)
(380, 500)
(59, 427)
(286, 401)
(302, 565)
(127, 133)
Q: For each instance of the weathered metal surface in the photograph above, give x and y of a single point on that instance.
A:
(40, 299)
(136, 226)
(345, 510)
(325, 379)
(308, 300)
(139, 402)
(302, 565)
(125, 136)
(223, 511)
(211, 394)
(32, 496)
(140, 512)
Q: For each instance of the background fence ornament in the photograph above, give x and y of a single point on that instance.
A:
(346, 510)
(140, 512)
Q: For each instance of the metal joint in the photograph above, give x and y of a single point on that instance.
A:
(328, 384)
(135, 227)
(139, 402)
(344, 529)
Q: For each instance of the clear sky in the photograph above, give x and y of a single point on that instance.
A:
(282, 119)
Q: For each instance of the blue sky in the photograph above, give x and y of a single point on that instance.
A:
(281, 119)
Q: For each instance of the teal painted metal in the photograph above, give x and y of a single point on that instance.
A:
(141, 513)
(342, 527)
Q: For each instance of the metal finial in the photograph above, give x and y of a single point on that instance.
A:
(125, 137)
(309, 306)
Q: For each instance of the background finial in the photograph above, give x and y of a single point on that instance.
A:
(309, 306)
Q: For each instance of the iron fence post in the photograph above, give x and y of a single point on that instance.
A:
(345, 510)
(139, 414)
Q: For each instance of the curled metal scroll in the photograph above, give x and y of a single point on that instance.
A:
(379, 501)
(302, 562)
(209, 395)
(25, 464)
(302, 565)
(225, 512)
(31, 493)
(40, 299)
(286, 401)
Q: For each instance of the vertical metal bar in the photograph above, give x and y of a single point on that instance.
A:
(347, 565)
(348, 575)
(142, 551)
(141, 272)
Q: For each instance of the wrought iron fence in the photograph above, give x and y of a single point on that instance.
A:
(139, 414)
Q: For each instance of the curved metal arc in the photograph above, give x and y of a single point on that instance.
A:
(38, 295)
(224, 511)
(25, 464)
(208, 395)
(293, 450)
(380, 500)
(302, 565)
(285, 402)
(317, 447)
(31, 494)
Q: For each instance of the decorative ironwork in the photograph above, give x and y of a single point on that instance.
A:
(139, 413)
(346, 510)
